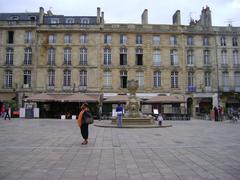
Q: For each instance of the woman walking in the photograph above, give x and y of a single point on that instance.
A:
(83, 115)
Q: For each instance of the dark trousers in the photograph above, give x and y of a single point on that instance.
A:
(6, 115)
(84, 131)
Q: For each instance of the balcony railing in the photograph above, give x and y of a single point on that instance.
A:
(191, 89)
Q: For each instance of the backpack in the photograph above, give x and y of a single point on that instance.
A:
(87, 118)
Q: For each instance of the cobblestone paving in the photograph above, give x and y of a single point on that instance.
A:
(47, 149)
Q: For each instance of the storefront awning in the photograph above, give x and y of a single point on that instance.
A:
(166, 99)
(116, 99)
(7, 96)
(80, 97)
(43, 97)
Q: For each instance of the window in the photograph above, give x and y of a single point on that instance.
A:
(173, 40)
(107, 79)
(237, 79)
(190, 61)
(83, 78)
(69, 20)
(139, 39)
(123, 79)
(156, 57)
(67, 56)
(67, 38)
(223, 41)
(123, 56)
(225, 79)
(140, 79)
(157, 79)
(51, 56)
(52, 39)
(139, 57)
(27, 78)
(10, 37)
(189, 40)
(51, 77)
(28, 56)
(174, 79)
(207, 79)
(206, 58)
(107, 57)
(123, 39)
(174, 57)
(236, 59)
(190, 79)
(8, 79)
(28, 37)
(156, 40)
(9, 56)
(234, 41)
(83, 39)
(107, 39)
(224, 57)
(83, 56)
(54, 20)
(85, 21)
(205, 41)
(67, 78)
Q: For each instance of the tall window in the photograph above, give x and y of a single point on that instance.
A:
(236, 59)
(190, 60)
(140, 79)
(139, 57)
(156, 57)
(27, 78)
(8, 79)
(234, 41)
(10, 39)
(174, 79)
(107, 39)
(83, 78)
(173, 40)
(67, 78)
(223, 41)
(51, 77)
(174, 57)
(225, 79)
(205, 41)
(67, 38)
(123, 56)
(51, 56)
(139, 39)
(207, 79)
(83, 56)
(206, 57)
(83, 39)
(67, 56)
(107, 56)
(190, 79)
(123, 79)
(9, 56)
(224, 57)
(156, 40)
(52, 39)
(28, 56)
(28, 37)
(123, 39)
(69, 21)
(107, 79)
(189, 40)
(237, 79)
(157, 79)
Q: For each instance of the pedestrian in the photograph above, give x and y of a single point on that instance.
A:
(83, 115)
(160, 119)
(7, 113)
(215, 113)
(119, 110)
(2, 111)
(220, 113)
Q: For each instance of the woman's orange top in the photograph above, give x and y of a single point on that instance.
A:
(80, 118)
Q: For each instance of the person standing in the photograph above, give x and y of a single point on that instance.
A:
(215, 113)
(7, 113)
(119, 110)
(160, 119)
(84, 113)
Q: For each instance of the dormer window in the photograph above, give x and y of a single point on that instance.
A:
(85, 21)
(14, 18)
(69, 20)
(32, 18)
(54, 20)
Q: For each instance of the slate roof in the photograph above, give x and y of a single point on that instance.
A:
(77, 19)
(21, 16)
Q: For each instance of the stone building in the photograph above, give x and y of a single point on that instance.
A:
(46, 53)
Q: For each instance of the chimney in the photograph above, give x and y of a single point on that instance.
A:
(102, 18)
(177, 18)
(98, 15)
(145, 17)
(206, 18)
(41, 14)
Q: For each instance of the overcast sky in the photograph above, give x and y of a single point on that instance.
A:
(129, 11)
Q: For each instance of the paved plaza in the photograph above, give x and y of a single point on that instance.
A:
(50, 149)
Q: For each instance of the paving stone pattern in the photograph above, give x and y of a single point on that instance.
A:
(50, 149)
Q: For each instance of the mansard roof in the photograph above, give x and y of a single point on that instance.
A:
(19, 16)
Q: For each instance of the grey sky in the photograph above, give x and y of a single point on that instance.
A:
(129, 11)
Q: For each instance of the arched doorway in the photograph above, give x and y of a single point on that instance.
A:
(189, 106)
